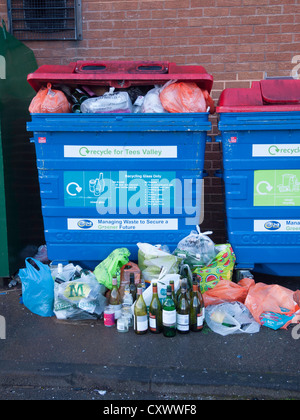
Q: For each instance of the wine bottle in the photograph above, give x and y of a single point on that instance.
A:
(140, 313)
(115, 299)
(183, 313)
(172, 284)
(183, 283)
(132, 286)
(197, 310)
(169, 315)
(155, 312)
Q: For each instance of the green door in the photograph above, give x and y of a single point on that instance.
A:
(20, 208)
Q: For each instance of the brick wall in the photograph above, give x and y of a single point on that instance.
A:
(235, 40)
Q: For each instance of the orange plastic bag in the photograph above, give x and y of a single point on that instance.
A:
(228, 291)
(264, 298)
(36, 103)
(183, 97)
(49, 100)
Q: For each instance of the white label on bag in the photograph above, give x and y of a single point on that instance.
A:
(169, 318)
(120, 152)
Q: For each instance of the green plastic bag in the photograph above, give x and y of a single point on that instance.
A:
(111, 267)
(221, 268)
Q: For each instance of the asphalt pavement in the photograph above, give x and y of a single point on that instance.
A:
(87, 359)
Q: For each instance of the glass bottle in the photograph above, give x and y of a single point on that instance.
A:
(197, 310)
(126, 306)
(183, 313)
(174, 297)
(155, 312)
(169, 315)
(78, 96)
(140, 313)
(115, 298)
(183, 283)
(132, 286)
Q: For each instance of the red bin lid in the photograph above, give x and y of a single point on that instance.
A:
(276, 95)
(119, 74)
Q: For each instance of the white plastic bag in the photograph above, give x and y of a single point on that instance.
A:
(108, 103)
(152, 103)
(231, 318)
(151, 259)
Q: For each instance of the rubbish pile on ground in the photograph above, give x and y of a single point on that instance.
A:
(163, 292)
(173, 97)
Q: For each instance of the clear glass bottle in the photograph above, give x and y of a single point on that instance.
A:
(140, 313)
(115, 299)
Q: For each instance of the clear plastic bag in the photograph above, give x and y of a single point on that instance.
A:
(110, 102)
(79, 299)
(231, 318)
(197, 249)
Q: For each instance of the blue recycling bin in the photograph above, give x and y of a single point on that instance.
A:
(113, 180)
(260, 136)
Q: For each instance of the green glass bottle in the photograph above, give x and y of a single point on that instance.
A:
(174, 297)
(155, 312)
(140, 313)
(197, 310)
(183, 313)
(169, 315)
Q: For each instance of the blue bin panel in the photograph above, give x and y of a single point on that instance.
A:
(110, 181)
(261, 161)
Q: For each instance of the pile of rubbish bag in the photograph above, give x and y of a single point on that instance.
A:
(173, 97)
(109, 291)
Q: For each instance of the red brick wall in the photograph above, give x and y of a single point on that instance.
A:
(235, 40)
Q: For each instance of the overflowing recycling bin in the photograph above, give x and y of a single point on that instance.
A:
(114, 178)
(260, 135)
